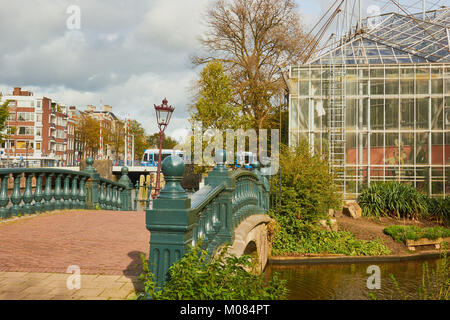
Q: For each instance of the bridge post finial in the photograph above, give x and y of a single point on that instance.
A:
(92, 183)
(169, 220)
(220, 173)
(126, 194)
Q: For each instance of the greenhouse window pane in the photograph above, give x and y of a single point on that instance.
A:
(377, 149)
(391, 86)
(351, 87)
(436, 86)
(447, 149)
(351, 114)
(303, 114)
(352, 150)
(407, 148)
(437, 112)
(304, 87)
(406, 86)
(293, 118)
(437, 148)
(422, 148)
(377, 87)
(422, 113)
(376, 114)
(391, 106)
(422, 86)
(407, 114)
(391, 150)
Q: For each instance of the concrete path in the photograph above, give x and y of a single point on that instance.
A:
(36, 252)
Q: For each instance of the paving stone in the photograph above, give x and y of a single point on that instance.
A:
(115, 294)
(107, 252)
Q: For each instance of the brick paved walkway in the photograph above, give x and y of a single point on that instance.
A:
(35, 251)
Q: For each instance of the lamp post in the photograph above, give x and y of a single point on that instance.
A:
(163, 115)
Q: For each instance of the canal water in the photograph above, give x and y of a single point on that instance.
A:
(348, 281)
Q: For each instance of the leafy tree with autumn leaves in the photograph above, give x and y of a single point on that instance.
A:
(254, 39)
(213, 108)
(153, 142)
(4, 113)
(87, 131)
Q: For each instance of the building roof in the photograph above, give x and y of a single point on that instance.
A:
(395, 38)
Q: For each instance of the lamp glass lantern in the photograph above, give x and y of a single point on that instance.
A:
(163, 114)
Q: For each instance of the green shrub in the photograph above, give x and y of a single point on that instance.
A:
(307, 188)
(296, 236)
(439, 208)
(197, 277)
(392, 199)
(403, 233)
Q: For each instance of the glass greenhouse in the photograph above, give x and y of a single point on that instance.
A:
(378, 105)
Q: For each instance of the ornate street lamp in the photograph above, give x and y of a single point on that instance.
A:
(163, 115)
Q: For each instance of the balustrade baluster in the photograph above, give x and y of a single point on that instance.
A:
(102, 195)
(16, 196)
(38, 195)
(119, 198)
(4, 198)
(108, 197)
(82, 193)
(58, 193)
(114, 198)
(136, 194)
(28, 194)
(75, 202)
(66, 193)
(48, 193)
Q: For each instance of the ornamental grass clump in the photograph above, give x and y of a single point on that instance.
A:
(392, 199)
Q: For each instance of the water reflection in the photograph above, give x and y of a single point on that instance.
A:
(349, 281)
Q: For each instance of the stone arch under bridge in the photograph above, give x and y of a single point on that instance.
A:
(251, 237)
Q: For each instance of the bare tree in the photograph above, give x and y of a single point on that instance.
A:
(254, 39)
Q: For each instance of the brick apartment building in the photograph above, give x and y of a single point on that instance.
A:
(108, 122)
(44, 132)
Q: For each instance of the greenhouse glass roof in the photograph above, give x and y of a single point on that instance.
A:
(395, 38)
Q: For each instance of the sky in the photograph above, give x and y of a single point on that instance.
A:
(130, 54)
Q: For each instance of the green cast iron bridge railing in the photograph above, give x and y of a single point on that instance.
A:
(58, 189)
(212, 214)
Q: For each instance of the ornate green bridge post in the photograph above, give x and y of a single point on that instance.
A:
(125, 200)
(169, 220)
(93, 193)
(222, 175)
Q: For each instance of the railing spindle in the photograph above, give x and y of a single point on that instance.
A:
(16, 196)
(75, 201)
(38, 195)
(4, 198)
(28, 194)
(58, 193)
(82, 193)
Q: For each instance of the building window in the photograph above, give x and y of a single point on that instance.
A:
(28, 131)
(25, 116)
(23, 145)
